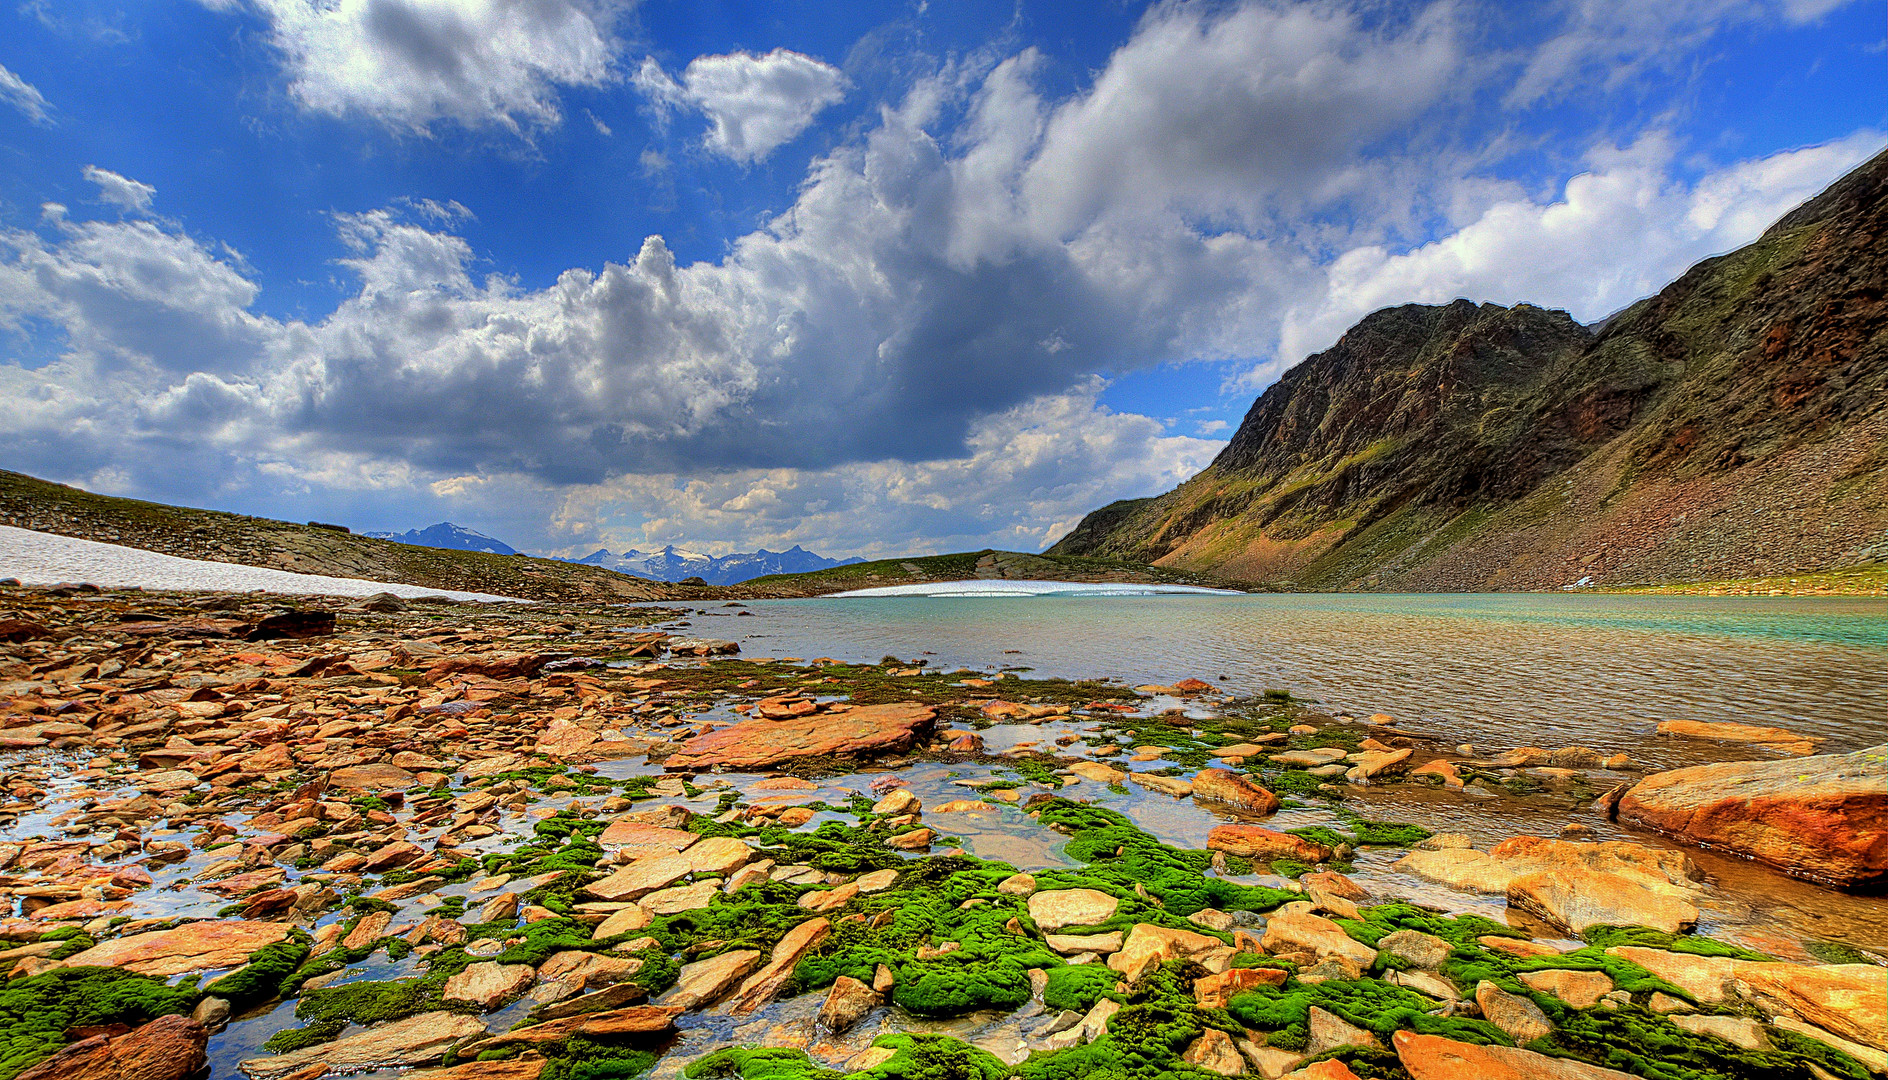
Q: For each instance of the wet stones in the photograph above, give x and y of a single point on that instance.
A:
(1303, 932)
(1579, 989)
(415, 1040)
(1576, 899)
(1166, 785)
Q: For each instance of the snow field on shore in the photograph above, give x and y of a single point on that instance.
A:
(38, 558)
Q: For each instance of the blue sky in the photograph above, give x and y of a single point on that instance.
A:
(873, 279)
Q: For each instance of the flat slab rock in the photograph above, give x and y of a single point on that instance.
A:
(412, 1041)
(197, 946)
(1824, 818)
(761, 744)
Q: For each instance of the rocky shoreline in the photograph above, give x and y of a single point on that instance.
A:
(497, 842)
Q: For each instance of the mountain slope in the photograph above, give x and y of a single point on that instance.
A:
(450, 537)
(1730, 426)
(30, 503)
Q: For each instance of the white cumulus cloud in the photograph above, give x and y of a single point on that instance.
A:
(410, 64)
(126, 194)
(754, 104)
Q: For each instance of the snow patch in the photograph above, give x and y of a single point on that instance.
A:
(38, 558)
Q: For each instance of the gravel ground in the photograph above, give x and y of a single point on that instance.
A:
(38, 558)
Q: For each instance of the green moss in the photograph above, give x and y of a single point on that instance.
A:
(987, 970)
(266, 976)
(1121, 856)
(1078, 986)
(36, 1012)
(1605, 937)
(917, 1057)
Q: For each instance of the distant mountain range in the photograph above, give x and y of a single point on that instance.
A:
(669, 564)
(449, 536)
(673, 564)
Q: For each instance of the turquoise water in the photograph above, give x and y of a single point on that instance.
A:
(1498, 669)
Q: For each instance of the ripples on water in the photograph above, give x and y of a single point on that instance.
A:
(1504, 670)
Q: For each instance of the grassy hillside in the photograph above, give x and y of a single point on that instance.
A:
(30, 503)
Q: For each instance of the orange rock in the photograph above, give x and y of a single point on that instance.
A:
(1233, 792)
(1431, 1057)
(168, 1048)
(197, 946)
(1824, 818)
(759, 744)
(1215, 991)
(1258, 842)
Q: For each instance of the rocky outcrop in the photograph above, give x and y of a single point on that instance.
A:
(1824, 818)
(762, 744)
(1467, 447)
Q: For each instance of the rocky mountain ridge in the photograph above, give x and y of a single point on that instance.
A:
(1733, 425)
(449, 536)
(673, 564)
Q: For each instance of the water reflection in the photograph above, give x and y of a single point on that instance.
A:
(1507, 670)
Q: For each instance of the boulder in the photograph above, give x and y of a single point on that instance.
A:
(1740, 1031)
(490, 665)
(846, 1004)
(1824, 818)
(1263, 844)
(487, 984)
(1214, 1052)
(622, 921)
(616, 1024)
(761, 744)
(1058, 908)
(1576, 899)
(1326, 1031)
(1772, 738)
(1099, 773)
(705, 982)
(415, 1040)
(1288, 932)
(197, 946)
(1415, 947)
(523, 1069)
(1166, 785)
(1148, 946)
(1215, 991)
(1849, 1000)
(168, 1048)
(381, 777)
(763, 986)
(680, 898)
(1233, 792)
(1431, 1057)
(1580, 989)
(1520, 1018)
(1075, 944)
